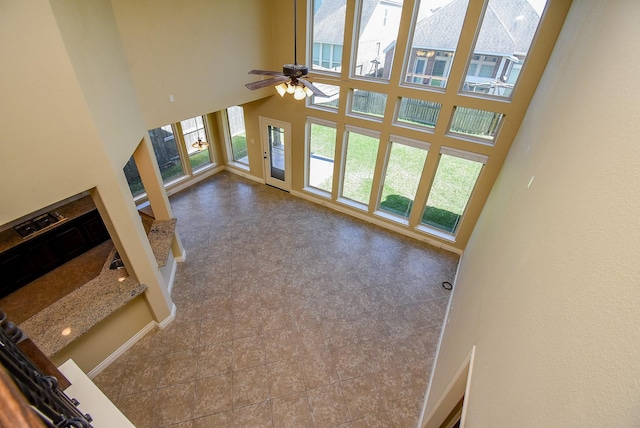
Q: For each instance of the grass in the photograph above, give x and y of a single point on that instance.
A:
(449, 193)
(239, 146)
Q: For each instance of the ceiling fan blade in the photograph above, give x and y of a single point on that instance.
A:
(315, 90)
(267, 82)
(267, 72)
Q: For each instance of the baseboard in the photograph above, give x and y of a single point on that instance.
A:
(122, 349)
(243, 174)
(172, 275)
(182, 257)
(165, 322)
(378, 222)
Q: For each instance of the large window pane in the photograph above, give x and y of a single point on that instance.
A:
(506, 33)
(328, 34)
(418, 112)
(368, 103)
(378, 23)
(452, 187)
(434, 42)
(237, 133)
(480, 124)
(401, 179)
(194, 132)
(166, 151)
(360, 161)
(322, 147)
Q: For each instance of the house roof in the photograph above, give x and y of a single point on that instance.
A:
(508, 27)
(329, 20)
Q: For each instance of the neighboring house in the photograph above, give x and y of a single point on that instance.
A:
(506, 34)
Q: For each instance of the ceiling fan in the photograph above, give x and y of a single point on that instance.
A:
(292, 78)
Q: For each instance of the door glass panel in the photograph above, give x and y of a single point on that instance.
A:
(360, 162)
(235, 118)
(401, 179)
(452, 187)
(507, 30)
(276, 152)
(378, 24)
(322, 147)
(193, 131)
(166, 151)
(434, 42)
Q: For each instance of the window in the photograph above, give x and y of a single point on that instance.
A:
(193, 130)
(237, 137)
(434, 41)
(330, 102)
(360, 153)
(457, 65)
(133, 178)
(451, 190)
(327, 56)
(418, 113)
(368, 103)
(478, 124)
(321, 149)
(402, 175)
(166, 151)
(327, 35)
(507, 30)
(378, 24)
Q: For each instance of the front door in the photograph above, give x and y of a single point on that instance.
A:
(276, 152)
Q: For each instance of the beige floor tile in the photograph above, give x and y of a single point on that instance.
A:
(285, 378)
(318, 369)
(253, 416)
(213, 359)
(139, 408)
(248, 352)
(291, 411)
(250, 386)
(175, 404)
(362, 396)
(213, 395)
(328, 407)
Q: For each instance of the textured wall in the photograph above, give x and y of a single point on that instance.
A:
(548, 287)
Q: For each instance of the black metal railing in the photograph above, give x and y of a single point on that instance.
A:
(40, 391)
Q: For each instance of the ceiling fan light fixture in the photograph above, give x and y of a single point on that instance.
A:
(200, 145)
(308, 91)
(291, 88)
(282, 89)
(299, 93)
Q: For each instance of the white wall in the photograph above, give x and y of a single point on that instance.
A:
(548, 286)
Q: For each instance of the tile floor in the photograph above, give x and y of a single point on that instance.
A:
(289, 315)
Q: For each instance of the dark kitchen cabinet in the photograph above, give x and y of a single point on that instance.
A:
(41, 254)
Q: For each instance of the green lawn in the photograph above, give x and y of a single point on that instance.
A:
(239, 146)
(450, 191)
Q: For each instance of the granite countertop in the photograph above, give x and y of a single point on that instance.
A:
(10, 238)
(72, 316)
(160, 238)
